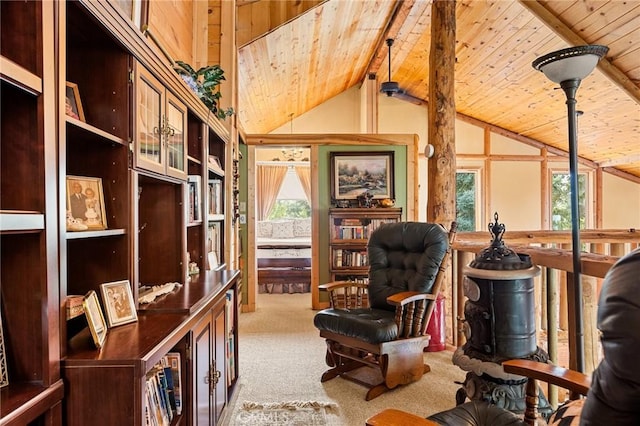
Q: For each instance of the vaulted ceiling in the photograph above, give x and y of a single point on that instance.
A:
(287, 68)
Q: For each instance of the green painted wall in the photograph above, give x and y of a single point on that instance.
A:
(324, 192)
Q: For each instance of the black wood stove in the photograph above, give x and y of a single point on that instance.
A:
(499, 325)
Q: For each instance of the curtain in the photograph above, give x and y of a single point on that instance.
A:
(304, 174)
(269, 181)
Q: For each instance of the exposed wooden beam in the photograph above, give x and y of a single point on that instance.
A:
(396, 20)
(624, 160)
(616, 76)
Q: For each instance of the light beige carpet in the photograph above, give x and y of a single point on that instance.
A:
(282, 359)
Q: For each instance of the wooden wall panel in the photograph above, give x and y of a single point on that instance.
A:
(172, 24)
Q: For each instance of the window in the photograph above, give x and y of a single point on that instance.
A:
(291, 202)
(467, 200)
(561, 200)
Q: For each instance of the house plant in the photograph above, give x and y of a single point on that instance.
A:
(205, 83)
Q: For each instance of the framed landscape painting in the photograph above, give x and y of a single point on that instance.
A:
(354, 173)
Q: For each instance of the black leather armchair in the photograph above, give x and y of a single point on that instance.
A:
(406, 261)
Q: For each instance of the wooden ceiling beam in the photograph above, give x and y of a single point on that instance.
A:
(612, 72)
(396, 20)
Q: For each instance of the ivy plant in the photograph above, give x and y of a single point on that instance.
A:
(205, 83)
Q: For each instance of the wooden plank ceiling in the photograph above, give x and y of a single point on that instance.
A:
(333, 45)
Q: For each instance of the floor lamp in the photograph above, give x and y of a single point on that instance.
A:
(568, 67)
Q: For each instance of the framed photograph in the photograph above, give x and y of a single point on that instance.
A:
(95, 319)
(85, 204)
(73, 105)
(118, 303)
(354, 173)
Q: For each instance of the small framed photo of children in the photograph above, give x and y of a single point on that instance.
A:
(85, 204)
(73, 105)
(95, 319)
(118, 302)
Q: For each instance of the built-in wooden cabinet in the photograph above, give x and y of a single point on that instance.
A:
(161, 126)
(140, 138)
(31, 390)
(349, 232)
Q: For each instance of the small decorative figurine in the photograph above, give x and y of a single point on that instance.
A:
(364, 199)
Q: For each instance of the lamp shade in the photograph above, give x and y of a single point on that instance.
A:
(574, 63)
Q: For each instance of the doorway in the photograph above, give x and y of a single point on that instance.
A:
(283, 207)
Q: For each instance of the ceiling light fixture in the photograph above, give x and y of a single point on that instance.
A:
(390, 87)
(293, 154)
(568, 67)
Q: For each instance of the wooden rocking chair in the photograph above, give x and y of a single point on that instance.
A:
(382, 325)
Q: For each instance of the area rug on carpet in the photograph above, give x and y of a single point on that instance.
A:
(293, 413)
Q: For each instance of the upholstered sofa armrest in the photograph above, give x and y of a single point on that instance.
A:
(577, 383)
(393, 417)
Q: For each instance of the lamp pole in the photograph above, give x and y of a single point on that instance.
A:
(570, 87)
(568, 67)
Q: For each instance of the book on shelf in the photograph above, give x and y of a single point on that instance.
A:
(194, 185)
(216, 206)
(174, 364)
(214, 237)
(163, 400)
(230, 346)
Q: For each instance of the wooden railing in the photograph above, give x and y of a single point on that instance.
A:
(551, 250)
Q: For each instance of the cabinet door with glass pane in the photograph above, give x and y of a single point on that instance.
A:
(161, 123)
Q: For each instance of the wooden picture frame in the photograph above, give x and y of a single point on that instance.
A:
(85, 204)
(73, 105)
(118, 302)
(354, 173)
(95, 319)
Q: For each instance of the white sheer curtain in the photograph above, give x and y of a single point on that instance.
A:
(304, 174)
(269, 180)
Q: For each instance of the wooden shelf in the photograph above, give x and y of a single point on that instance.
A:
(20, 77)
(21, 221)
(78, 235)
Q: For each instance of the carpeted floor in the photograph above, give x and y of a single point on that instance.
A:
(282, 359)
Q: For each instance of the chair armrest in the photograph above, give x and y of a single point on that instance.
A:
(393, 417)
(340, 284)
(405, 297)
(574, 381)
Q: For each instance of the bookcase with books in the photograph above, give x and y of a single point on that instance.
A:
(146, 160)
(350, 229)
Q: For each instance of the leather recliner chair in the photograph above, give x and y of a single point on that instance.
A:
(406, 264)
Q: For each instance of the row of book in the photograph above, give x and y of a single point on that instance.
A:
(355, 229)
(216, 205)
(193, 197)
(164, 391)
(214, 245)
(347, 258)
(231, 343)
